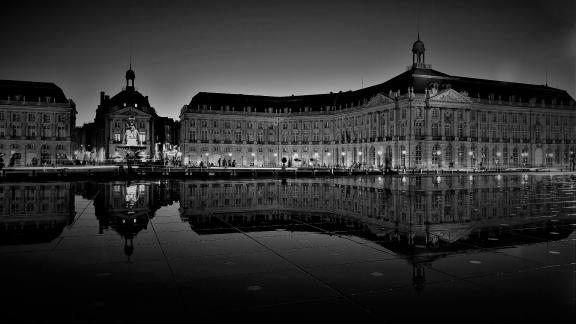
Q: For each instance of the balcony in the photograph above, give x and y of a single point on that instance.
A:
(450, 138)
(485, 139)
(473, 139)
(388, 138)
(557, 141)
(402, 138)
(436, 138)
(380, 139)
(419, 137)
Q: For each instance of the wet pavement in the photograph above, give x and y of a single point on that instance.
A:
(484, 248)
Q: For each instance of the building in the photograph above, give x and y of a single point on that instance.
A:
(420, 119)
(104, 140)
(36, 123)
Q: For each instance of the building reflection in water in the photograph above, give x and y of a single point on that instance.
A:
(35, 212)
(421, 218)
(127, 207)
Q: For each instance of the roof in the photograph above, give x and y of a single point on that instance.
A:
(419, 79)
(129, 96)
(31, 90)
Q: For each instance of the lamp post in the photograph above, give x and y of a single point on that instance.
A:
(497, 159)
(360, 158)
(438, 153)
(207, 163)
(315, 158)
(276, 158)
(254, 159)
(344, 159)
(329, 154)
(471, 154)
(379, 159)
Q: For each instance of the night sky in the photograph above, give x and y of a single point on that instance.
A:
(277, 47)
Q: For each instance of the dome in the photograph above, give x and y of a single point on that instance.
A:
(130, 75)
(418, 46)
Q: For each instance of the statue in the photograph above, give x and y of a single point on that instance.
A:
(132, 136)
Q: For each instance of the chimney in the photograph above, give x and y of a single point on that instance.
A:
(101, 97)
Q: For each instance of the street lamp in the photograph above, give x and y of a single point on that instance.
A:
(360, 158)
(344, 159)
(471, 154)
(276, 156)
(329, 154)
(438, 153)
(207, 159)
(254, 157)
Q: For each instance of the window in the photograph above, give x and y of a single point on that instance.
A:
(418, 154)
(117, 138)
(31, 117)
(1, 116)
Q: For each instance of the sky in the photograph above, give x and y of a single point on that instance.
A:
(278, 48)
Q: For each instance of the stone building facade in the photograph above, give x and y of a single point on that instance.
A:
(36, 123)
(103, 140)
(420, 119)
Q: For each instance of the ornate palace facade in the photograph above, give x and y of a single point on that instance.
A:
(104, 139)
(36, 123)
(421, 118)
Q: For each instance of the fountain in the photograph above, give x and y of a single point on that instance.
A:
(132, 145)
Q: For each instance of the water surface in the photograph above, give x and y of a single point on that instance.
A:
(497, 247)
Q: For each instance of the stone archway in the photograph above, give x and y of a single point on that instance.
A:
(538, 157)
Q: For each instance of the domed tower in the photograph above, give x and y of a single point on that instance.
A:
(130, 76)
(418, 53)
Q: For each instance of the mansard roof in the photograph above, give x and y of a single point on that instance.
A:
(419, 79)
(128, 97)
(31, 91)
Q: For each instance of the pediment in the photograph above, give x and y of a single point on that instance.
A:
(379, 100)
(131, 111)
(450, 95)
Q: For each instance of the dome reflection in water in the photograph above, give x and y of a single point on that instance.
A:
(361, 243)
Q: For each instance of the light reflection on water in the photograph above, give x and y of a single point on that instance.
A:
(484, 234)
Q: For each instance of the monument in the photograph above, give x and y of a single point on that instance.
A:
(131, 143)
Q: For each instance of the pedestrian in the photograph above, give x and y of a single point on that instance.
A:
(219, 162)
(233, 163)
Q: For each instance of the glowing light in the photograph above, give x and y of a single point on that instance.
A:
(403, 152)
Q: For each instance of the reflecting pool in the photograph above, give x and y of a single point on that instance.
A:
(465, 248)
